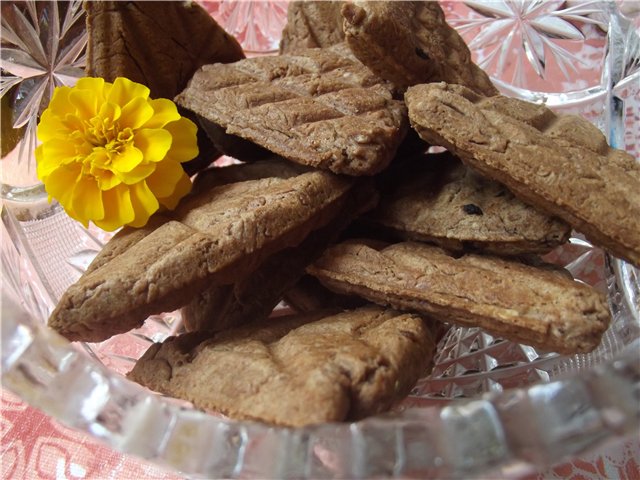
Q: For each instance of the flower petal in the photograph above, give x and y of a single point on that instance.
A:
(58, 183)
(118, 210)
(135, 113)
(97, 165)
(124, 90)
(50, 155)
(85, 102)
(162, 181)
(126, 160)
(59, 102)
(144, 204)
(87, 200)
(110, 111)
(165, 111)
(138, 174)
(154, 143)
(182, 188)
(52, 125)
(184, 146)
(97, 85)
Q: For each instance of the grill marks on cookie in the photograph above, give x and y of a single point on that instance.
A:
(560, 164)
(320, 108)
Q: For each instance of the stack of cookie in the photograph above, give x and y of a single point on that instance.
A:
(338, 209)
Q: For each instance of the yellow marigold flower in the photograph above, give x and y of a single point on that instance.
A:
(112, 155)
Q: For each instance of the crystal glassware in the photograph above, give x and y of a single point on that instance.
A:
(489, 407)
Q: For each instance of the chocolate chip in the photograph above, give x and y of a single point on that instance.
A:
(421, 53)
(472, 209)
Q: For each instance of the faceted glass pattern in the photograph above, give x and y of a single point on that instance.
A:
(488, 406)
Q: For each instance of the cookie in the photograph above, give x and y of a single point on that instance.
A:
(214, 236)
(158, 44)
(559, 164)
(312, 24)
(295, 370)
(438, 199)
(523, 303)
(320, 108)
(410, 43)
(254, 296)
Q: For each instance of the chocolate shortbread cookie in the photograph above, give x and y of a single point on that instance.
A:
(296, 370)
(535, 306)
(560, 164)
(254, 296)
(312, 24)
(320, 107)
(436, 198)
(159, 44)
(215, 236)
(410, 43)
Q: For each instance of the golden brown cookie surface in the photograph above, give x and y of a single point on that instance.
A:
(436, 198)
(312, 24)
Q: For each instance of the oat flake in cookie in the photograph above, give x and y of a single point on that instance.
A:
(296, 370)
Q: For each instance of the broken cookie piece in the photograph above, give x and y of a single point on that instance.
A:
(254, 296)
(296, 370)
(159, 44)
(523, 303)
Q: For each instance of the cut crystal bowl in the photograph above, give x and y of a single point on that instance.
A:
(489, 407)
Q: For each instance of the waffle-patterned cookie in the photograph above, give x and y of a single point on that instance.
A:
(312, 24)
(560, 164)
(296, 370)
(436, 198)
(215, 236)
(410, 43)
(321, 108)
(528, 304)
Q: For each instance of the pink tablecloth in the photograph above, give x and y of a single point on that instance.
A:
(34, 446)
